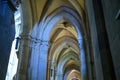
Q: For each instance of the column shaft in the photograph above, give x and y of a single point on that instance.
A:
(43, 61)
(23, 57)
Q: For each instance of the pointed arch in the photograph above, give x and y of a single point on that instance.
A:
(62, 12)
(48, 23)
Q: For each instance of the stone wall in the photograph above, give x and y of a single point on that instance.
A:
(98, 74)
(110, 9)
(7, 32)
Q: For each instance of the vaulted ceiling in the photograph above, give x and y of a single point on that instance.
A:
(59, 23)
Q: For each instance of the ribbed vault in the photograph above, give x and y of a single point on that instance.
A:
(60, 36)
(64, 40)
(64, 51)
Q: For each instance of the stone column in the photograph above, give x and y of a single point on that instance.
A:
(35, 62)
(23, 55)
(43, 60)
(108, 69)
(82, 60)
(31, 59)
(25, 40)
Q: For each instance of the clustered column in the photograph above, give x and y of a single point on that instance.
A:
(43, 60)
(34, 60)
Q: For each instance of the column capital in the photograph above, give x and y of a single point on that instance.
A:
(25, 37)
(40, 41)
(46, 43)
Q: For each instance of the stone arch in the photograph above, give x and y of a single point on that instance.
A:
(60, 48)
(72, 17)
(26, 26)
(62, 42)
(75, 77)
(62, 63)
(62, 12)
(43, 34)
(67, 72)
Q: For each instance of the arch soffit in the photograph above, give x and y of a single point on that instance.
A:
(61, 43)
(71, 55)
(65, 75)
(60, 30)
(70, 75)
(69, 68)
(66, 59)
(61, 13)
(61, 58)
(69, 65)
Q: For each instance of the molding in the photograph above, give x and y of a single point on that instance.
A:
(40, 41)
